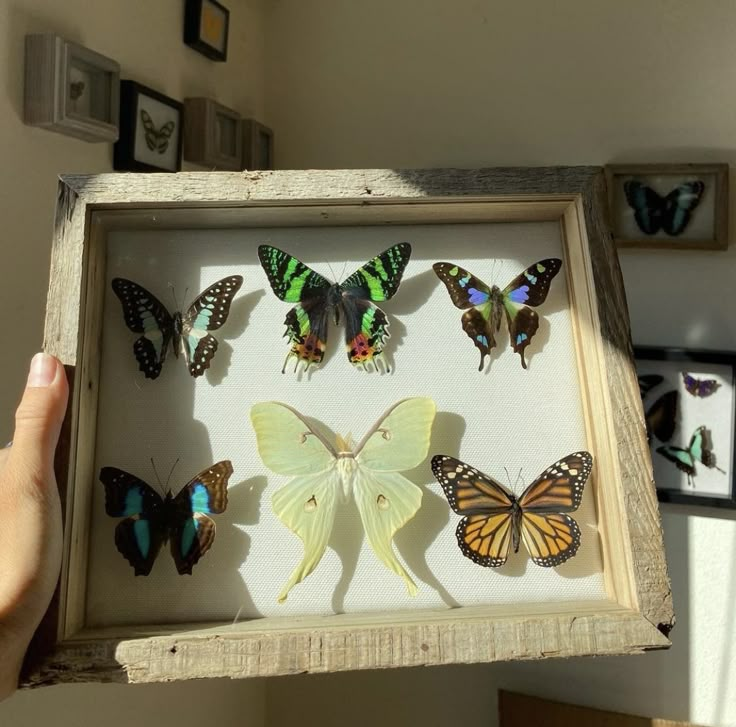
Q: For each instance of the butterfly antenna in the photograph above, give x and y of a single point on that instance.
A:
(508, 477)
(171, 471)
(332, 272)
(342, 272)
(158, 479)
(173, 295)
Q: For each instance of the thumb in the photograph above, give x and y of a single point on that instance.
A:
(39, 417)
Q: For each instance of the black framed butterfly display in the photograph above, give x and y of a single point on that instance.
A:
(144, 313)
(151, 138)
(151, 520)
(689, 398)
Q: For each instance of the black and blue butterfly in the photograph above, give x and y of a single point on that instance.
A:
(670, 213)
(317, 299)
(484, 305)
(152, 520)
(700, 450)
(661, 416)
(145, 314)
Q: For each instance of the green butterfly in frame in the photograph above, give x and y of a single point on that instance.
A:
(483, 305)
(323, 473)
(699, 450)
(316, 298)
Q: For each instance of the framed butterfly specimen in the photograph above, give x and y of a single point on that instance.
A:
(144, 313)
(495, 520)
(359, 521)
(484, 306)
(681, 206)
(325, 472)
(690, 409)
(318, 300)
(151, 136)
(151, 521)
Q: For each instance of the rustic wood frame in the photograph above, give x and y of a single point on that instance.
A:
(720, 211)
(253, 158)
(636, 617)
(724, 358)
(202, 143)
(49, 60)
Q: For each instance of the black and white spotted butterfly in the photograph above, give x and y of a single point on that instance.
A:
(145, 314)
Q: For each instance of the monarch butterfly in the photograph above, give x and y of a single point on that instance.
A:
(496, 519)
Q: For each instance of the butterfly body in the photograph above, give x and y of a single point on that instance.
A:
(151, 521)
(317, 300)
(485, 306)
(670, 213)
(325, 474)
(188, 332)
(495, 520)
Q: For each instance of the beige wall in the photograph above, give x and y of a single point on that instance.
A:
(424, 83)
(144, 36)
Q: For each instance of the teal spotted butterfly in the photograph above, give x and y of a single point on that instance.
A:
(316, 298)
(484, 305)
(145, 314)
(670, 213)
(150, 520)
(699, 450)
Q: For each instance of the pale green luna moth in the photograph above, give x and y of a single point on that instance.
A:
(386, 500)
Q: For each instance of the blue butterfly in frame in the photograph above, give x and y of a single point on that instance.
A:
(484, 304)
(145, 314)
(670, 213)
(152, 520)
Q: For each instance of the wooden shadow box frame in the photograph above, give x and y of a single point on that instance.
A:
(636, 615)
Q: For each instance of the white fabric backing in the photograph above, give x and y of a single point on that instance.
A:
(717, 412)
(504, 417)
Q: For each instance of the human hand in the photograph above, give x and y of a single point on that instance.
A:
(30, 515)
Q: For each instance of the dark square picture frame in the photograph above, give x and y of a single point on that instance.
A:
(654, 360)
(201, 18)
(129, 152)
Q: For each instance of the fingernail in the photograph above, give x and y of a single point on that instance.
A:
(43, 370)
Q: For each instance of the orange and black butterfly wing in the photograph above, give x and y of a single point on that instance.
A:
(485, 533)
(551, 536)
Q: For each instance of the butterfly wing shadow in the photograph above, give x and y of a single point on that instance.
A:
(240, 313)
(415, 538)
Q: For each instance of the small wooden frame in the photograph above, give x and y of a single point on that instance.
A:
(646, 224)
(71, 89)
(714, 487)
(151, 136)
(634, 615)
(206, 26)
(212, 134)
(257, 146)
